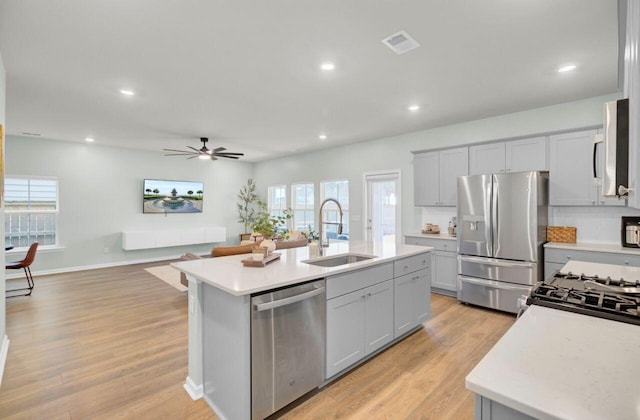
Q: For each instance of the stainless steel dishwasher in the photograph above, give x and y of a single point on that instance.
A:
(287, 345)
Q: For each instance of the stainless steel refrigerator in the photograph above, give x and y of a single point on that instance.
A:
(502, 221)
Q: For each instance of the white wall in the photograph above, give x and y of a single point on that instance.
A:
(3, 96)
(100, 195)
(352, 161)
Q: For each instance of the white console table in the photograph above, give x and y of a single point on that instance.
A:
(160, 238)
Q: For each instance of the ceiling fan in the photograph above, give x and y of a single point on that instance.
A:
(204, 152)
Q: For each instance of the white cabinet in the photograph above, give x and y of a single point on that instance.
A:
(358, 323)
(359, 315)
(361, 308)
(412, 301)
(509, 156)
(445, 271)
(555, 257)
(443, 267)
(435, 176)
(571, 180)
(486, 158)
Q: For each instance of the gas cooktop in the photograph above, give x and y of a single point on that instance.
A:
(603, 297)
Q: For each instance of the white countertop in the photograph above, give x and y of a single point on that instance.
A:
(441, 235)
(230, 275)
(558, 364)
(595, 247)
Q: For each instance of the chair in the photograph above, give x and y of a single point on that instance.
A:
(24, 264)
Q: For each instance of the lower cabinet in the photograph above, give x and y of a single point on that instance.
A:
(369, 308)
(556, 258)
(358, 323)
(411, 301)
(444, 269)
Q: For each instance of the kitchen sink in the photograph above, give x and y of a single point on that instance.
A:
(337, 260)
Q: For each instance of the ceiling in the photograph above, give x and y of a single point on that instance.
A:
(247, 74)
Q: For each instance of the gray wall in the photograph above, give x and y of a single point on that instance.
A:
(100, 195)
(352, 161)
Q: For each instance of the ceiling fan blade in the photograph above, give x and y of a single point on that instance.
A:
(218, 149)
(229, 154)
(214, 158)
(192, 157)
(178, 154)
(228, 157)
(194, 149)
(174, 150)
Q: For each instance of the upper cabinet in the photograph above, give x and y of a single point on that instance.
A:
(571, 176)
(509, 156)
(435, 176)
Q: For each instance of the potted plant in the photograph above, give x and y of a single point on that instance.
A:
(268, 225)
(246, 206)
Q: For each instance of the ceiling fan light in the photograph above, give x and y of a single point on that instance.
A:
(204, 156)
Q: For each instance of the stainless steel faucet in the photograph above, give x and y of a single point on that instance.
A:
(320, 223)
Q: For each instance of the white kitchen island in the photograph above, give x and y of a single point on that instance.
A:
(555, 364)
(220, 290)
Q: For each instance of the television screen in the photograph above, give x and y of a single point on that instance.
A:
(163, 196)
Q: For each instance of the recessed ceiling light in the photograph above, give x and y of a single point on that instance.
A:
(414, 108)
(565, 69)
(328, 66)
(89, 139)
(127, 92)
(322, 136)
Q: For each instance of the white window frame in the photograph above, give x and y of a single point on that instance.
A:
(306, 207)
(30, 212)
(272, 208)
(344, 206)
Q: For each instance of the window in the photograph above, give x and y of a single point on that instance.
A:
(340, 191)
(302, 206)
(31, 211)
(277, 200)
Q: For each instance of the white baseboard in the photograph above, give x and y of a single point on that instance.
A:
(194, 391)
(4, 351)
(20, 274)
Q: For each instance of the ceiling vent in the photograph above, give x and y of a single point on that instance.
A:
(400, 42)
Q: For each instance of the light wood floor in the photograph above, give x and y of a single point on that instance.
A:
(112, 343)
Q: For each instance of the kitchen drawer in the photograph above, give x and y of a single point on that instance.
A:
(411, 264)
(355, 280)
(439, 244)
(563, 256)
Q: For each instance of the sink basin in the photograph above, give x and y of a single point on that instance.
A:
(337, 260)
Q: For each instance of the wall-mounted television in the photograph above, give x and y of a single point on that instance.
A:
(164, 196)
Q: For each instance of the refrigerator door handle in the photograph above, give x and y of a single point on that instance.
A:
(494, 215)
(499, 263)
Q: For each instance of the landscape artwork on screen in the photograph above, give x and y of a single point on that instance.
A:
(164, 196)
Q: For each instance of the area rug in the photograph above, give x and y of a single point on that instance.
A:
(169, 275)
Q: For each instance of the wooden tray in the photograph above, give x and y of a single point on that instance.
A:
(566, 234)
(250, 262)
(430, 232)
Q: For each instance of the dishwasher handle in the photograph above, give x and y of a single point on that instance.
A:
(288, 301)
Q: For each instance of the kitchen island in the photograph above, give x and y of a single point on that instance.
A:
(220, 291)
(556, 364)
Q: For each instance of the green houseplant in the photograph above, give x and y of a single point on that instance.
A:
(246, 204)
(268, 225)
